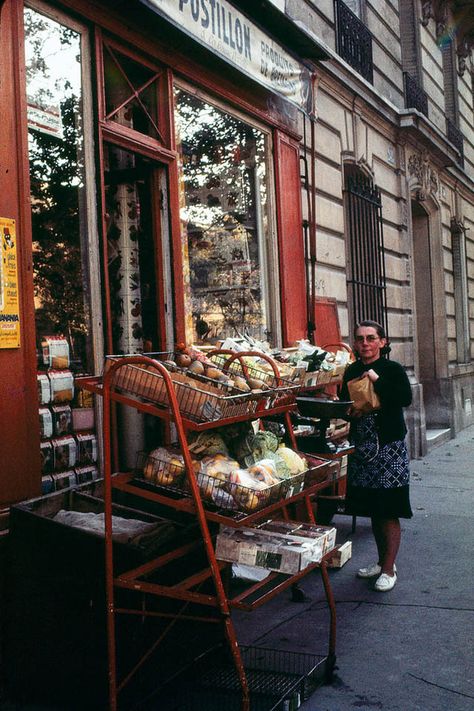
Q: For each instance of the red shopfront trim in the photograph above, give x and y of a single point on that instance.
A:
(290, 239)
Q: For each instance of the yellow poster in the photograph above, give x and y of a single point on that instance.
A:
(9, 297)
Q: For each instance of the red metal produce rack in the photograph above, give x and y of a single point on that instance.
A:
(188, 589)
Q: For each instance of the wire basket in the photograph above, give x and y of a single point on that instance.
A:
(278, 680)
(167, 472)
(278, 390)
(319, 470)
(199, 403)
(158, 471)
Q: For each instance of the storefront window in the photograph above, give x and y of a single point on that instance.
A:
(61, 250)
(225, 221)
(54, 97)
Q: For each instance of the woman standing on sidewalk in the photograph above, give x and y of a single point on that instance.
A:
(378, 471)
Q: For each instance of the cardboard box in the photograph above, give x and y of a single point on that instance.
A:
(249, 546)
(341, 555)
(323, 537)
(283, 553)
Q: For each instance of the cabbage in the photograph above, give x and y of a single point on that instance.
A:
(294, 462)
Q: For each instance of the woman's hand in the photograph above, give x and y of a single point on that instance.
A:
(371, 374)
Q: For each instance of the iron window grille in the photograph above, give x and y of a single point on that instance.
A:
(367, 283)
(415, 96)
(353, 41)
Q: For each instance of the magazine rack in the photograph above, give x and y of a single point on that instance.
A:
(188, 590)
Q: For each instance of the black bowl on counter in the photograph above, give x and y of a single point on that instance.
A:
(322, 407)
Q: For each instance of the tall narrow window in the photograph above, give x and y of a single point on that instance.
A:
(65, 277)
(366, 281)
(460, 291)
(225, 221)
(56, 152)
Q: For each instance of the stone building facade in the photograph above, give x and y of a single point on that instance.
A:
(394, 104)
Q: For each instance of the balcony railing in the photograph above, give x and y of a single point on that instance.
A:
(415, 96)
(353, 41)
(455, 137)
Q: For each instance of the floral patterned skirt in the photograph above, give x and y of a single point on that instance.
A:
(378, 476)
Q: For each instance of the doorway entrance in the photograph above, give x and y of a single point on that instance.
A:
(426, 328)
(139, 296)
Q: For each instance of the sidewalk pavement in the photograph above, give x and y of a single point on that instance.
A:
(410, 649)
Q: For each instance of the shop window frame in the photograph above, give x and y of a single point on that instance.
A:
(131, 138)
(270, 253)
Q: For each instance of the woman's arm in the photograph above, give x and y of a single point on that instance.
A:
(393, 386)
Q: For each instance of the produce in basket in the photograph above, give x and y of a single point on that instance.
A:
(218, 466)
(163, 467)
(265, 471)
(208, 443)
(295, 463)
(248, 492)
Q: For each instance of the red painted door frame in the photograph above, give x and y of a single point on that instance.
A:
(290, 239)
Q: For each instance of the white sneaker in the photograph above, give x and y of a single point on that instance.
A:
(385, 582)
(371, 571)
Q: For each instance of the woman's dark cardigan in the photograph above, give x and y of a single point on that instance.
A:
(394, 391)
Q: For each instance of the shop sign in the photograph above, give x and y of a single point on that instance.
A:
(224, 30)
(9, 298)
(45, 120)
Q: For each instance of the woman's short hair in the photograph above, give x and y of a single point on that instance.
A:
(379, 330)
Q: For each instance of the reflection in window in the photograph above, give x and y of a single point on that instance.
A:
(53, 74)
(224, 217)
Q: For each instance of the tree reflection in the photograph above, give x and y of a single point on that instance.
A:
(224, 218)
(56, 176)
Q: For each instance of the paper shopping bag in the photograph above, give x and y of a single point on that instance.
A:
(361, 391)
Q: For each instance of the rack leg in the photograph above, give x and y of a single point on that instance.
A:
(235, 651)
(331, 658)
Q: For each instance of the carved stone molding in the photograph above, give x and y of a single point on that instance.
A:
(423, 179)
(463, 50)
(457, 226)
(436, 10)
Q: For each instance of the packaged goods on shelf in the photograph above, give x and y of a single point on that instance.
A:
(46, 422)
(83, 418)
(64, 452)
(86, 448)
(62, 385)
(83, 398)
(47, 459)
(47, 484)
(62, 419)
(86, 473)
(55, 352)
(63, 480)
(44, 389)
(273, 551)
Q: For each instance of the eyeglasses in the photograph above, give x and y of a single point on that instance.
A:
(370, 339)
